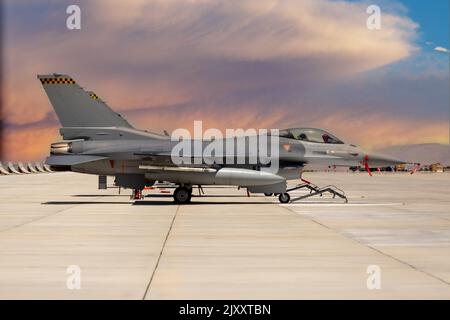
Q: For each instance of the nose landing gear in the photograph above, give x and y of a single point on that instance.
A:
(284, 198)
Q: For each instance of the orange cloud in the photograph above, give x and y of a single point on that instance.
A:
(165, 63)
(376, 131)
(178, 40)
(373, 132)
(28, 144)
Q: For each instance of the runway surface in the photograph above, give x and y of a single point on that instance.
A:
(225, 245)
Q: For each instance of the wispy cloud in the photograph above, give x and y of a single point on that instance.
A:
(442, 49)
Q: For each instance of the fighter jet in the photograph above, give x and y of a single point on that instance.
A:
(99, 141)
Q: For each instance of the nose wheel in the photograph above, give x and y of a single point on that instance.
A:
(182, 195)
(284, 198)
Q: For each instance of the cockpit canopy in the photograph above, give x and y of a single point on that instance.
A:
(310, 135)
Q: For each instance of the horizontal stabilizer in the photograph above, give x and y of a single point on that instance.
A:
(70, 160)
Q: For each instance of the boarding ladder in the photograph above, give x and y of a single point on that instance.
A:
(315, 190)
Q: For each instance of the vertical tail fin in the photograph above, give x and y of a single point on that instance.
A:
(76, 107)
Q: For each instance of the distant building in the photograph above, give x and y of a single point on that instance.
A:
(437, 168)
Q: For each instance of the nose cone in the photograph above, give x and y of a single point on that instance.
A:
(377, 160)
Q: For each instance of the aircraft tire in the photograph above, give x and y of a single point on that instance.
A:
(182, 195)
(284, 198)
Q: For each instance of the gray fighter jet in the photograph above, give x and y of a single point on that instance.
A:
(99, 141)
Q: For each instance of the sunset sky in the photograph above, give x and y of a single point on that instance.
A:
(234, 64)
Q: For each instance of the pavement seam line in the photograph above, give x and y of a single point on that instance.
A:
(370, 247)
(147, 289)
(41, 218)
(437, 216)
(37, 219)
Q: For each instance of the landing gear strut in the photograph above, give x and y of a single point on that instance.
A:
(137, 194)
(182, 195)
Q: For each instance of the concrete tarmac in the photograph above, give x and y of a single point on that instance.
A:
(225, 245)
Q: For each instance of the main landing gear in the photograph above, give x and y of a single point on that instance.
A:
(137, 194)
(182, 195)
